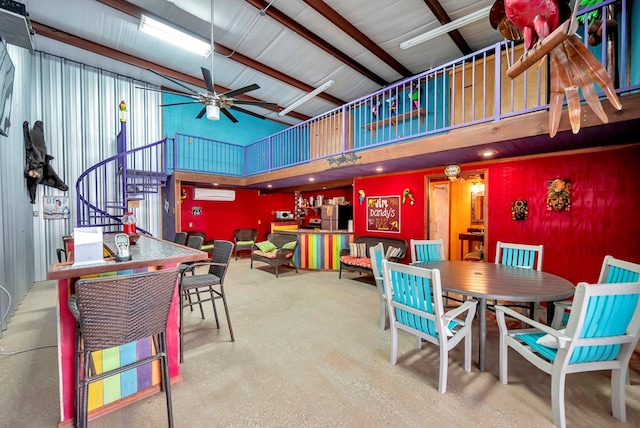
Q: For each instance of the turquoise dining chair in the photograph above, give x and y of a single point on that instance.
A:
(601, 334)
(522, 256)
(414, 302)
(427, 250)
(376, 254)
(613, 270)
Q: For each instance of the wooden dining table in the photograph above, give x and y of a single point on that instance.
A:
(490, 281)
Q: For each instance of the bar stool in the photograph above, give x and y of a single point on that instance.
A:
(117, 310)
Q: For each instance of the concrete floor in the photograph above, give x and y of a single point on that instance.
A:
(308, 353)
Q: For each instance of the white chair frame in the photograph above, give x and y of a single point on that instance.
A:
(376, 253)
(423, 289)
(582, 322)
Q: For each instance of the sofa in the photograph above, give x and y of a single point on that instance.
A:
(277, 250)
(362, 263)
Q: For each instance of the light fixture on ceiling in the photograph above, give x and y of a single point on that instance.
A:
(488, 153)
(307, 97)
(174, 36)
(453, 25)
(379, 169)
(213, 112)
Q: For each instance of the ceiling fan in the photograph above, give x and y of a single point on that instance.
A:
(214, 103)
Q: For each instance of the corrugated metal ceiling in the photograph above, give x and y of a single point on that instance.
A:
(114, 24)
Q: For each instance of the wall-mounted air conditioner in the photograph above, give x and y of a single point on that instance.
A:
(204, 194)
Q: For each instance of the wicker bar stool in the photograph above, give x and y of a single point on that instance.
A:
(117, 310)
(206, 287)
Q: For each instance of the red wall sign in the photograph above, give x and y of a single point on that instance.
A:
(383, 214)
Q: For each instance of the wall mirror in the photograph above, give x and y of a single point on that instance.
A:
(477, 205)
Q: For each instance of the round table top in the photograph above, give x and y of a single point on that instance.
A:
(495, 281)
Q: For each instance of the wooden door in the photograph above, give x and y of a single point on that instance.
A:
(439, 200)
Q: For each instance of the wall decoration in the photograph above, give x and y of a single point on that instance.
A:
(407, 195)
(452, 172)
(383, 214)
(375, 106)
(56, 207)
(361, 196)
(196, 210)
(183, 194)
(414, 96)
(341, 160)
(559, 195)
(519, 210)
(392, 104)
(38, 169)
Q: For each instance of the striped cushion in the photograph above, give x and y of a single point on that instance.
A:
(393, 253)
(358, 250)
(364, 262)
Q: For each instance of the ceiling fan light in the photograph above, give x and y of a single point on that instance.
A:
(174, 36)
(213, 112)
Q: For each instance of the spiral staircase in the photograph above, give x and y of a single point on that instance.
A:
(106, 190)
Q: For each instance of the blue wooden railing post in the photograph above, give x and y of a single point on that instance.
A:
(497, 104)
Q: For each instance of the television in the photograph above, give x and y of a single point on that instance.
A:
(7, 71)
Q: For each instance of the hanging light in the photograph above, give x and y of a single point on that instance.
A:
(213, 112)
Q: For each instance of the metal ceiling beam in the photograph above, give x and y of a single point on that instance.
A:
(443, 18)
(136, 11)
(70, 39)
(336, 19)
(317, 40)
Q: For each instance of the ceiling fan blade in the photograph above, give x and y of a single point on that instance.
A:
(241, 90)
(174, 81)
(202, 112)
(229, 115)
(208, 81)
(179, 104)
(253, 103)
(259, 116)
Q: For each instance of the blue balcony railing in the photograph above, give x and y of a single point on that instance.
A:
(470, 90)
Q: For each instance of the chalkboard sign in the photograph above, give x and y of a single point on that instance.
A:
(383, 214)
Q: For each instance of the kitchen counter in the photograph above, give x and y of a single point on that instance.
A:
(320, 249)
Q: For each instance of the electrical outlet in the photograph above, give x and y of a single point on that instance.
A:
(259, 221)
(36, 214)
(190, 224)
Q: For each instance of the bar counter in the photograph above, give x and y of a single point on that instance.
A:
(114, 392)
(320, 249)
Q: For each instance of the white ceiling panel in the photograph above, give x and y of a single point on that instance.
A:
(260, 37)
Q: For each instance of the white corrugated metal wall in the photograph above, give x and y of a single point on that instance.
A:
(78, 105)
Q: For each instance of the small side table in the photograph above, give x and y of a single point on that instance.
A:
(471, 238)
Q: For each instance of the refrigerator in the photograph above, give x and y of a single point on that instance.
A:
(336, 217)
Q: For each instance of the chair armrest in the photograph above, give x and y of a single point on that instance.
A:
(501, 311)
(466, 306)
(563, 304)
(345, 252)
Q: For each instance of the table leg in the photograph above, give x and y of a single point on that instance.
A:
(551, 308)
(482, 331)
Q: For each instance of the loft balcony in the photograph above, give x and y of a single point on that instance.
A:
(449, 114)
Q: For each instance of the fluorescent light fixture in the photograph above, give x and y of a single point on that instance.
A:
(213, 112)
(453, 25)
(307, 97)
(174, 36)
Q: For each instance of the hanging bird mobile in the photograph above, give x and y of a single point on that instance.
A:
(548, 27)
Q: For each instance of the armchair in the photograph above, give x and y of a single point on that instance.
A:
(244, 239)
(284, 248)
(601, 334)
(415, 305)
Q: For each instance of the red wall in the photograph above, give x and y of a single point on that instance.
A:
(412, 217)
(603, 218)
(219, 219)
(604, 210)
